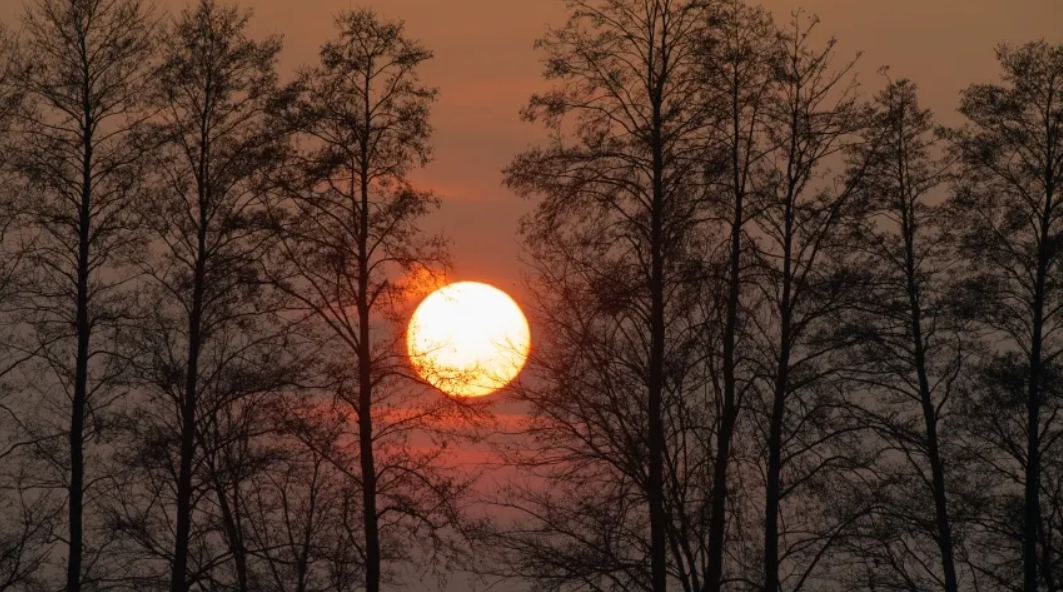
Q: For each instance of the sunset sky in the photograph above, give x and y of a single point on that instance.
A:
(485, 68)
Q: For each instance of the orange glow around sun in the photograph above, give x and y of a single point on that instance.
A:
(468, 339)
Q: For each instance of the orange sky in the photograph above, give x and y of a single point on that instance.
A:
(485, 68)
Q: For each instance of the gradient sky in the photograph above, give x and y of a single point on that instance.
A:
(485, 68)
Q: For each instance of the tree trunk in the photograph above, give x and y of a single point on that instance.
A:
(729, 411)
(937, 469)
(658, 564)
(188, 407)
(365, 381)
(773, 493)
(365, 443)
(81, 370)
(232, 531)
(1032, 501)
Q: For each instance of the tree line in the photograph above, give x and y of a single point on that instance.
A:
(790, 334)
(794, 335)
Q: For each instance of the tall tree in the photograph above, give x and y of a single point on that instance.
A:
(739, 64)
(84, 72)
(351, 245)
(916, 348)
(615, 239)
(212, 339)
(807, 278)
(1007, 210)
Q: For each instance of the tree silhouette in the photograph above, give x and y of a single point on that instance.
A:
(352, 252)
(739, 64)
(807, 277)
(614, 243)
(916, 349)
(1007, 214)
(766, 356)
(212, 339)
(84, 68)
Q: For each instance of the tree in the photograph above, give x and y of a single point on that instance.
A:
(1006, 210)
(351, 244)
(213, 337)
(84, 72)
(739, 63)
(616, 246)
(915, 349)
(807, 277)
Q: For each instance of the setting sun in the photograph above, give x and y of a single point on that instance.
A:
(468, 339)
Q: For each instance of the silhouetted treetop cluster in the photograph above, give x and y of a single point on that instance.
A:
(791, 334)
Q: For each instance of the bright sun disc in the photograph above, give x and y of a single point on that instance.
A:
(468, 339)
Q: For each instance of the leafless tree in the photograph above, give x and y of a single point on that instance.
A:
(618, 256)
(914, 349)
(1006, 212)
(806, 277)
(213, 337)
(738, 64)
(352, 249)
(83, 70)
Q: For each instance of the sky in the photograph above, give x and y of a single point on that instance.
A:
(485, 68)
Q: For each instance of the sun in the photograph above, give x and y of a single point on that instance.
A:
(468, 339)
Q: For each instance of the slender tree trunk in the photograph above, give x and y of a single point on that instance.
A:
(302, 565)
(77, 418)
(365, 429)
(232, 531)
(774, 485)
(729, 411)
(937, 469)
(1032, 501)
(658, 550)
(81, 370)
(773, 494)
(188, 407)
(365, 381)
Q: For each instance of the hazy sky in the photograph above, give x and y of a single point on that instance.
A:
(485, 68)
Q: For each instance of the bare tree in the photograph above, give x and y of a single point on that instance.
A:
(1006, 211)
(617, 251)
(83, 71)
(213, 337)
(807, 278)
(915, 349)
(351, 243)
(739, 65)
